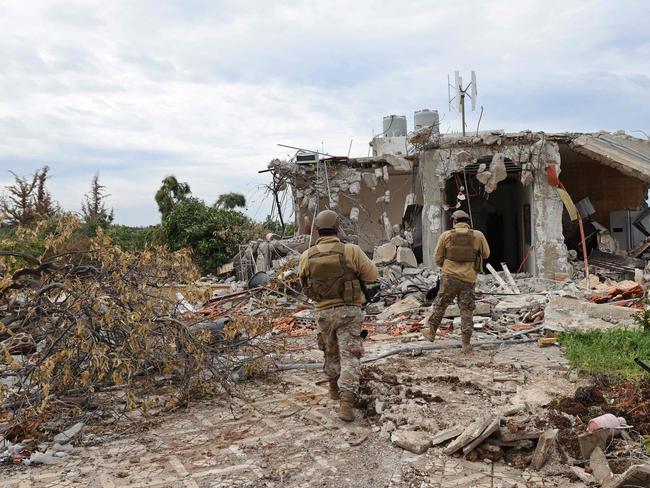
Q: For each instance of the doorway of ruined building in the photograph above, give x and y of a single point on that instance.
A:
(504, 215)
(615, 201)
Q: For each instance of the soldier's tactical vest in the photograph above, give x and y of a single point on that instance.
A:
(328, 277)
(461, 247)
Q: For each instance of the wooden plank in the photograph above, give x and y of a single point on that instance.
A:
(510, 279)
(498, 278)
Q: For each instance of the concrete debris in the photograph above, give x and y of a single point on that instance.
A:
(406, 258)
(566, 314)
(634, 477)
(591, 440)
(385, 253)
(600, 467)
(546, 446)
(414, 441)
(69, 435)
(446, 435)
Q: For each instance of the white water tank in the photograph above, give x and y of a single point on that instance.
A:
(426, 118)
(394, 125)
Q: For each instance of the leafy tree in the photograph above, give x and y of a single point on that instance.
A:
(214, 234)
(275, 226)
(93, 208)
(136, 238)
(170, 193)
(230, 201)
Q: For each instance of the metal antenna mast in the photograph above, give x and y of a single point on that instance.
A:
(460, 94)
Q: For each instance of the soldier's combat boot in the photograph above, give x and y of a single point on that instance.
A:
(334, 390)
(467, 346)
(346, 406)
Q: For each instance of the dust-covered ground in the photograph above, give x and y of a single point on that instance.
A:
(285, 433)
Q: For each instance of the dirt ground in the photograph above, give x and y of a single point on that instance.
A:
(286, 434)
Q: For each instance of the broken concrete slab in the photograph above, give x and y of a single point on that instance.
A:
(446, 435)
(405, 305)
(489, 430)
(600, 467)
(385, 253)
(633, 477)
(591, 440)
(414, 441)
(472, 431)
(566, 314)
(546, 446)
(406, 258)
(507, 436)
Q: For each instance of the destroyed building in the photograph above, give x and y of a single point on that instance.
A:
(519, 189)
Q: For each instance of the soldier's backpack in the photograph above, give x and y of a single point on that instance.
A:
(328, 277)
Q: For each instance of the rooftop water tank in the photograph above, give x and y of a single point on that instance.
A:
(426, 118)
(394, 125)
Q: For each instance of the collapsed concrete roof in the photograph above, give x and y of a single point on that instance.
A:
(626, 153)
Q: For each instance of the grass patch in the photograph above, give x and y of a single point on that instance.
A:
(608, 352)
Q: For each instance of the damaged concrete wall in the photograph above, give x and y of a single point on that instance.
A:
(438, 164)
(548, 238)
(369, 200)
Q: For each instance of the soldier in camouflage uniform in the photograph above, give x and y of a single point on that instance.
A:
(459, 254)
(332, 274)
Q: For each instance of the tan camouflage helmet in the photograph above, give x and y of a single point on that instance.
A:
(327, 219)
(459, 214)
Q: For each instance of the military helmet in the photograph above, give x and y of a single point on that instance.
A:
(459, 214)
(327, 219)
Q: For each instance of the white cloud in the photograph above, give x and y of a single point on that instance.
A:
(205, 90)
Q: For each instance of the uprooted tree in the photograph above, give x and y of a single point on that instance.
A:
(78, 323)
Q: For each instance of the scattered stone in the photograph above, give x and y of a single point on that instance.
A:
(385, 253)
(582, 475)
(406, 258)
(70, 434)
(545, 447)
(375, 308)
(414, 441)
(408, 303)
(399, 241)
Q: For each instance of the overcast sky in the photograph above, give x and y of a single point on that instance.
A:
(205, 89)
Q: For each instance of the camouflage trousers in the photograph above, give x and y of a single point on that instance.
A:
(339, 337)
(451, 288)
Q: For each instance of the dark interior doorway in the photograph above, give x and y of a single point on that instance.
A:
(498, 215)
